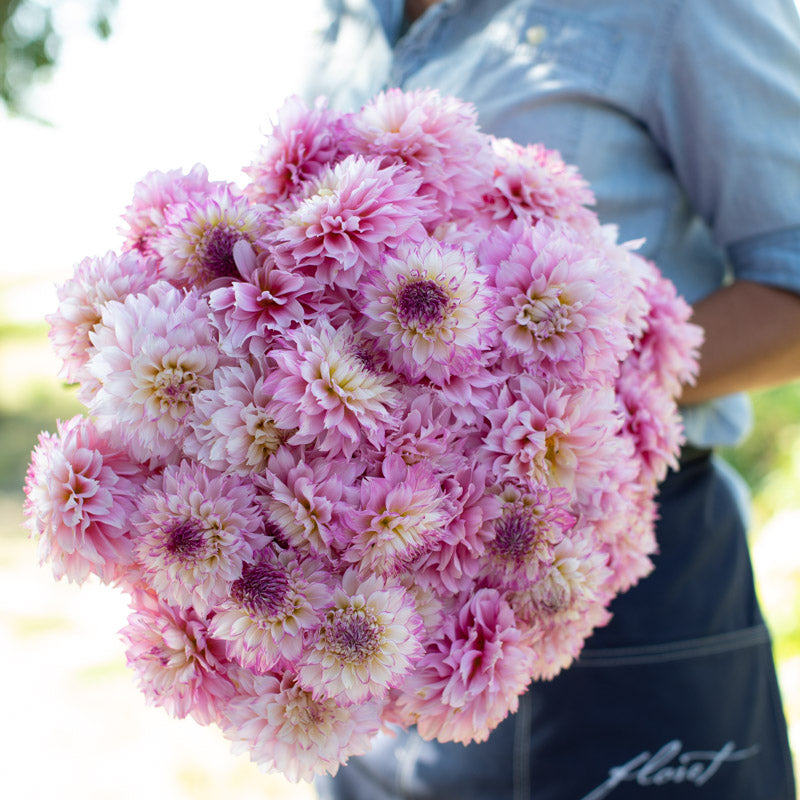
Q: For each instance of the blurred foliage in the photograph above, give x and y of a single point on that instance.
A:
(31, 400)
(22, 331)
(769, 461)
(20, 428)
(30, 43)
(768, 458)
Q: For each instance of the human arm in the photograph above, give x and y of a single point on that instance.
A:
(752, 340)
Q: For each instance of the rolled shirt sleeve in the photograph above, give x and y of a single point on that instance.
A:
(726, 110)
(770, 258)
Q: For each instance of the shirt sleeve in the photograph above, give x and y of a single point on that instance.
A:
(770, 258)
(725, 108)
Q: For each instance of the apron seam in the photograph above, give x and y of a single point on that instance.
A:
(675, 651)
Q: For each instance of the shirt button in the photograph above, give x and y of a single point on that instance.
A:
(536, 34)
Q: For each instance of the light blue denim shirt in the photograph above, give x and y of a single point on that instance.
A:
(684, 115)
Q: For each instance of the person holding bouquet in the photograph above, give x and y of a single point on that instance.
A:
(683, 117)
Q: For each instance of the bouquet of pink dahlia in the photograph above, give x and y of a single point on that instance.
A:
(372, 441)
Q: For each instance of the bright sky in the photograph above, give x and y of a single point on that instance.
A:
(180, 81)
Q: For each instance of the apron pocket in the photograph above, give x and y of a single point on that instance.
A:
(700, 718)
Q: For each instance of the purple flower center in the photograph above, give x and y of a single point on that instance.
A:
(421, 302)
(515, 534)
(185, 538)
(353, 636)
(365, 357)
(216, 252)
(262, 590)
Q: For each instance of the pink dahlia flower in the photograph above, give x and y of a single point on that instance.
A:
(352, 214)
(428, 604)
(669, 347)
(426, 307)
(652, 421)
(275, 603)
(605, 503)
(284, 728)
(249, 313)
(400, 517)
(196, 242)
(558, 645)
(322, 388)
(179, 665)
(153, 195)
(629, 551)
(620, 511)
(369, 640)
(231, 428)
(424, 432)
(570, 586)
(525, 535)
(81, 300)
(152, 354)
(532, 183)
(79, 495)
(434, 136)
(627, 272)
(299, 146)
(471, 676)
(548, 434)
(196, 530)
(469, 395)
(455, 560)
(556, 303)
(306, 500)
